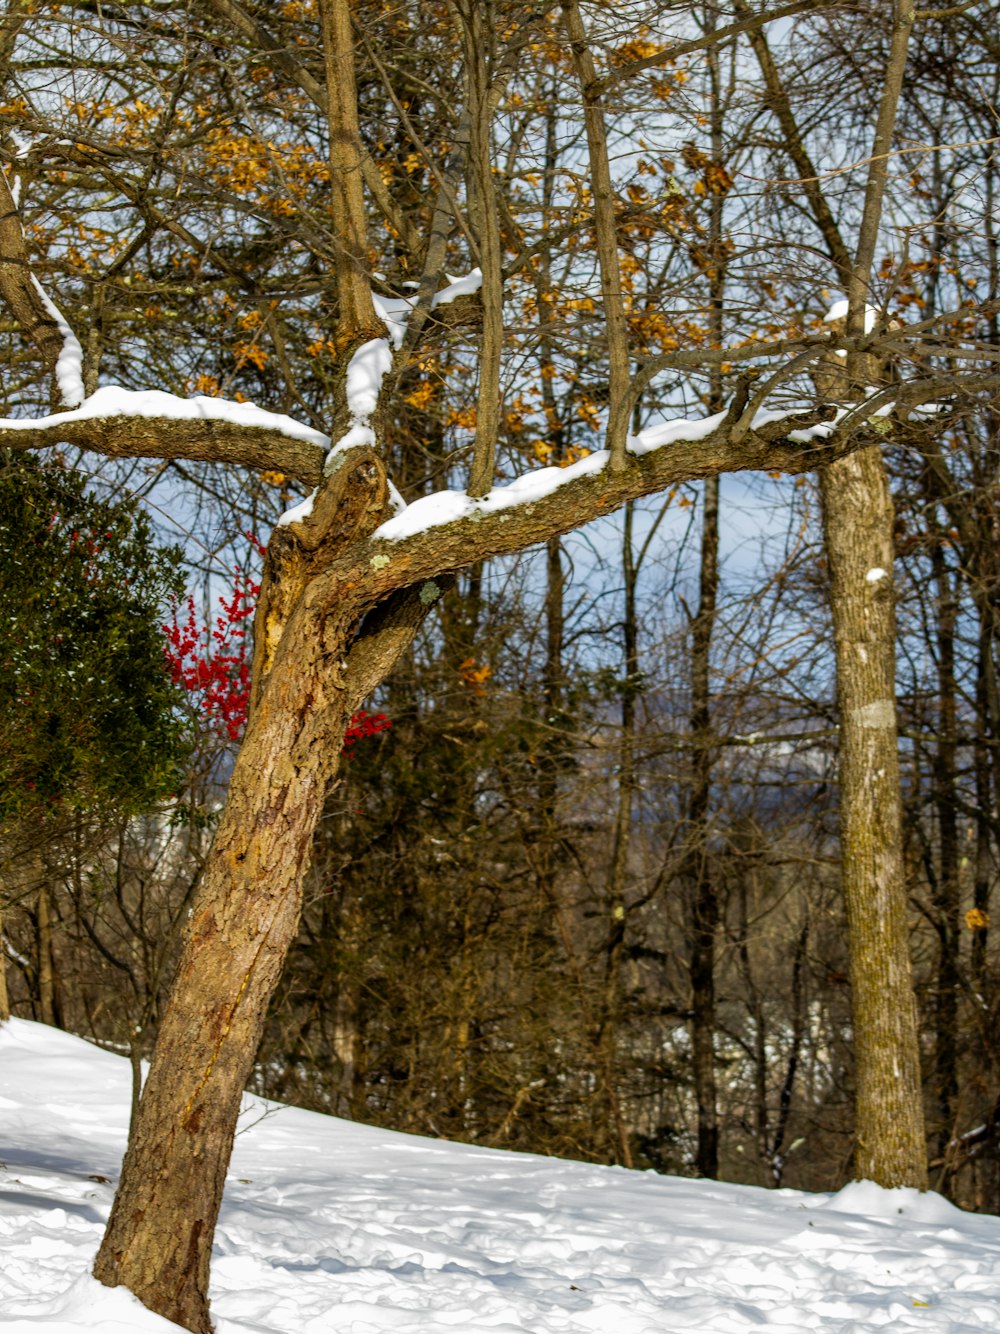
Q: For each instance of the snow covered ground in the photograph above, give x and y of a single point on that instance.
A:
(333, 1228)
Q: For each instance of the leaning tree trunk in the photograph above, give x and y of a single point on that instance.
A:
(857, 513)
(159, 1237)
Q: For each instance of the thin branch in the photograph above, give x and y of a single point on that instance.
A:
(605, 228)
(748, 23)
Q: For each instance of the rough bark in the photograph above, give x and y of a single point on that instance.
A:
(162, 438)
(857, 517)
(947, 890)
(158, 1240)
(889, 1111)
(356, 315)
(703, 906)
(485, 218)
(614, 1129)
(46, 961)
(17, 284)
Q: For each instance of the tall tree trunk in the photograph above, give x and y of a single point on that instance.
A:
(46, 959)
(703, 906)
(4, 998)
(984, 811)
(857, 514)
(947, 896)
(703, 893)
(614, 1133)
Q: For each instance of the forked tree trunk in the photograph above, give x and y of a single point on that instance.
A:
(159, 1237)
(857, 512)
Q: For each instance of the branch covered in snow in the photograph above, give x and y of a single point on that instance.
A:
(121, 423)
(38, 317)
(449, 530)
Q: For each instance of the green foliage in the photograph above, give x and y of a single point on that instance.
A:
(90, 715)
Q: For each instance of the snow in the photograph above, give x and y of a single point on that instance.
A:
(838, 311)
(300, 511)
(114, 401)
(875, 574)
(331, 1226)
(365, 370)
(443, 507)
(394, 311)
(464, 286)
(69, 364)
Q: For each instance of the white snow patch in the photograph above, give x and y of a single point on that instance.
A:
(69, 365)
(464, 286)
(875, 574)
(668, 433)
(331, 1225)
(838, 311)
(871, 1201)
(298, 512)
(394, 311)
(365, 371)
(448, 506)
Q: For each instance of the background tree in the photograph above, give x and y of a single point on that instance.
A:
(92, 732)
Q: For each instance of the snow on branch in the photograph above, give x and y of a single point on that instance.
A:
(69, 363)
(124, 423)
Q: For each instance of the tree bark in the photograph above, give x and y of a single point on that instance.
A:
(159, 1237)
(4, 998)
(857, 516)
(857, 513)
(46, 962)
(703, 897)
(606, 235)
(947, 890)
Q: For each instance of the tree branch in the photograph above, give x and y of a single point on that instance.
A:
(209, 441)
(605, 228)
(17, 286)
(383, 564)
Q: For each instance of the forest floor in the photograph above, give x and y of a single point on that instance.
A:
(335, 1228)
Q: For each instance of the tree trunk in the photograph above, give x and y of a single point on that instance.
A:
(703, 904)
(46, 961)
(947, 890)
(159, 1238)
(857, 513)
(704, 912)
(4, 998)
(613, 1133)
